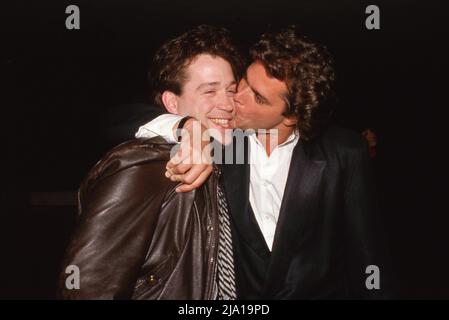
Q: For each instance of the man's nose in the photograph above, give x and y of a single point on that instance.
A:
(226, 103)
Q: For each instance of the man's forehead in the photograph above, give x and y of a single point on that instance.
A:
(259, 80)
(206, 70)
(215, 84)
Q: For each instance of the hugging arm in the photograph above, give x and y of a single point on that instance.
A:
(181, 168)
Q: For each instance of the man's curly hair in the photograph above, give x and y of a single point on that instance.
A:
(168, 71)
(307, 69)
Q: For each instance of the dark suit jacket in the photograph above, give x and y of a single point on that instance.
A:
(328, 230)
(120, 123)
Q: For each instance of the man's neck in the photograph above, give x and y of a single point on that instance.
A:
(274, 137)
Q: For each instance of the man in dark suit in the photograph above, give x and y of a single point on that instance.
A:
(303, 206)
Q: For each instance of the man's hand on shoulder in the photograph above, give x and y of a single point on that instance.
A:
(192, 163)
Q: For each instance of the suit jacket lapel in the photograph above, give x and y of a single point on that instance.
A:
(298, 205)
(236, 180)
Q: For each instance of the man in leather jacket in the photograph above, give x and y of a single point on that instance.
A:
(136, 237)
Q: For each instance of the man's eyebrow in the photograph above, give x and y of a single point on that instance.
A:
(207, 84)
(231, 83)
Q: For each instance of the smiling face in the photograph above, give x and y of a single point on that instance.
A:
(261, 101)
(207, 94)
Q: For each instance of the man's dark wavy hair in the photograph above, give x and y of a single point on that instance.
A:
(307, 69)
(168, 71)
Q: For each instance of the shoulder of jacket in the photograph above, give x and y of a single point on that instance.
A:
(141, 150)
(343, 139)
(133, 153)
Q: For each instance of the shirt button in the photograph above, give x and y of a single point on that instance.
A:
(211, 260)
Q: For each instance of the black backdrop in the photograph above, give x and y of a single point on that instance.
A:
(63, 89)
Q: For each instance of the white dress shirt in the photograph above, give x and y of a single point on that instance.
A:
(268, 177)
(268, 174)
(161, 126)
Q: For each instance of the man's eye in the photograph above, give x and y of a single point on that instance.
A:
(233, 91)
(210, 92)
(259, 99)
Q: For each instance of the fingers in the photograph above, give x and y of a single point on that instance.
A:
(181, 165)
(196, 183)
(179, 169)
(193, 179)
(193, 174)
(192, 163)
(182, 155)
(187, 157)
(194, 148)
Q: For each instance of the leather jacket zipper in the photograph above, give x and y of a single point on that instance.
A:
(213, 235)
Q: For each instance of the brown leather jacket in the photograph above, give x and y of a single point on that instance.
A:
(137, 238)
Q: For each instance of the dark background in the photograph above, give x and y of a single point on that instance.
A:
(64, 92)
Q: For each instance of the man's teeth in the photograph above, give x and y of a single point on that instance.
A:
(220, 121)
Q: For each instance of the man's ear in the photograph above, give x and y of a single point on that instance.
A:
(290, 121)
(170, 101)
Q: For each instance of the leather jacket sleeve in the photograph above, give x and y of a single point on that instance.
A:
(119, 203)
